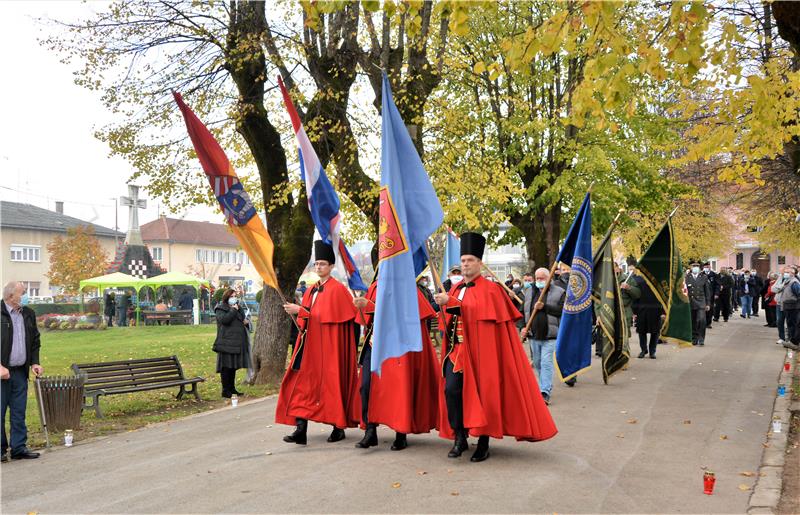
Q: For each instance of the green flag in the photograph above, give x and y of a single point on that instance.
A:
(612, 330)
(661, 268)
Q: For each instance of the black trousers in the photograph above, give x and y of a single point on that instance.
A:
(653, 343)
(710, 313)
(756, 300)
(698, 325)
(772, 315)
(722, 306)
(792, 330)
(453, 395)
(228, 378)
(366, 382)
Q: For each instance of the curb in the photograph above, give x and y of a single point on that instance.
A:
(769, 484)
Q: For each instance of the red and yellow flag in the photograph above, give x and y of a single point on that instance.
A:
(233, 199)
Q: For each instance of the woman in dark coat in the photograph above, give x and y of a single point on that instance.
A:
(231, 345)
(649, 315)
(110, 308)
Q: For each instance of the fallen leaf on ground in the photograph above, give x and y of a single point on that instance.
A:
(449, 471)
(624, 411)
(268, 453)
(744, 487)
(421, 472)
(765, 444)
(747, 473)
(454, 493)
(687, 421)
(396, 485)
(269, 425)
(632, 421)
(723, 437)
(620, 435)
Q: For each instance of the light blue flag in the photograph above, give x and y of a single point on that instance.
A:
(452, 253)
(409, 213)
(574, 342)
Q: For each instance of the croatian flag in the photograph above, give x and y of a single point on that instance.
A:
(322, 199)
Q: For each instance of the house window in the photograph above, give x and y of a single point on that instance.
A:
(32, 288)
(781, 260)
(227, 257)
(157, 253)
(206, 257)
(198, 255)
(246, 259)
(739, 260)
(25, 253)
(219, 257)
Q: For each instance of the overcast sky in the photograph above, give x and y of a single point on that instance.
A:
(47, 150)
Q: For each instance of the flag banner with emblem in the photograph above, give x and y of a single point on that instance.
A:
(612, 328)
(323, 202)
(233, 200)
(574, 341)
(452, 253)
(409, 213)
(661, 268)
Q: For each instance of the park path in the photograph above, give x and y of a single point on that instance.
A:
(637, 445)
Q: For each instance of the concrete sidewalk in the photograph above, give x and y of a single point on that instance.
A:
(636, 445)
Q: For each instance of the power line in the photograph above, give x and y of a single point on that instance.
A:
(54, 199)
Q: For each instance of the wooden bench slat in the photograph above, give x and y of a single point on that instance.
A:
(131, 366)
(154, 386)
(130, 371)
(110, 383)
(125, 362)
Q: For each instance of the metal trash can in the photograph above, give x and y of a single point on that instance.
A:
(60, 401)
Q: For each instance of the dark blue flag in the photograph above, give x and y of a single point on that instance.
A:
(574, 344)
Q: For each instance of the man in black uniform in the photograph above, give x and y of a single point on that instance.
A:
(713, 283)
(723, 297)
(699, 292)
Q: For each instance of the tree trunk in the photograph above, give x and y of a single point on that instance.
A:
(289, 224)
(542, 230)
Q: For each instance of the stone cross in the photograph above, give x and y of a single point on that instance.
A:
(134, 236)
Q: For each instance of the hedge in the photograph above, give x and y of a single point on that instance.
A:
(55, 309)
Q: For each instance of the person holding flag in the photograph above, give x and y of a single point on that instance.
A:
(321, 383)
(489, 389)
(398, 368)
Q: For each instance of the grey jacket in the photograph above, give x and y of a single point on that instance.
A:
(553, 306)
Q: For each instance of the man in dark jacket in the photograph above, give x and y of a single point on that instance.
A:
(19, 353)
(544, 328)
(699, 292)
(758, 291)
(185, 302)
(723, 297)
(746, 287)
(713, 283)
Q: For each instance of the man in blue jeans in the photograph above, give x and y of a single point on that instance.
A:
(544, 328)
(19, 353)
(747, 289)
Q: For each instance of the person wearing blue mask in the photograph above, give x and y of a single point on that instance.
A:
(232, 343)
(747, 290)
(698, 290)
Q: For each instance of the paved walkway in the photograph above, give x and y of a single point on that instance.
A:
(636, 445)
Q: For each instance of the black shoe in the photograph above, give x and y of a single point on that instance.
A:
(742, 316)
(370, 437)
(652, 356)
(694, 344)
(400, 442)
(237, 392)
(482, 452)
(716, 320)
(702, 344)
(25, 455)
(726, 320)
(299, 436)
(459, 445)
(546, 397)
(338, 435)
(755, 315)
(226, 394)
(571, 382)
(642, 354)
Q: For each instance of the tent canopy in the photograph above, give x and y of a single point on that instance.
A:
(172, 279)
(115, 280)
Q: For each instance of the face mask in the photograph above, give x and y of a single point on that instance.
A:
(233, 301)
(24, 300)
(695, 269)
(707, 270)
(540, 284)
(527, 284)
(456, 278)
(747, 276)
(786, 275)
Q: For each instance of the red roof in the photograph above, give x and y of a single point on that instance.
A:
(175, 230)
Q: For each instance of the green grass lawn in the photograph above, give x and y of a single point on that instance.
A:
(192, 345)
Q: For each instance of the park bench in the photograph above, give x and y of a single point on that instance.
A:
(174, 317)
(133, 375)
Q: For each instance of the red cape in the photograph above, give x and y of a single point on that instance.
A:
(325, 388)
(501, 395)
(405, 395)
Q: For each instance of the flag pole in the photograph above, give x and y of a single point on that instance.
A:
(673, 211)
(508, 290)
(437, 281)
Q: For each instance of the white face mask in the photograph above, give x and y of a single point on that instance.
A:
(456, 278)
(233, 301)
(695, 270)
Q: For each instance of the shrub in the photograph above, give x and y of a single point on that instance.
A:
(259, 295)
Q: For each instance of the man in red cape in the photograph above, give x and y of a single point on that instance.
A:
(321, 384)
(489, 387)
(405, 394)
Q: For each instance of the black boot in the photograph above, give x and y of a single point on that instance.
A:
(299, 434)
(224, 378)
(459, 445)
(400, 442)
(482, 452)
(370, 437)
(338, 434)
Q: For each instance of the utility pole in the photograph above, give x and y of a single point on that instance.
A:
(116, 223)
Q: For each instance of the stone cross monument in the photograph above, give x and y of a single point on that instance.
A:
(134, 236)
